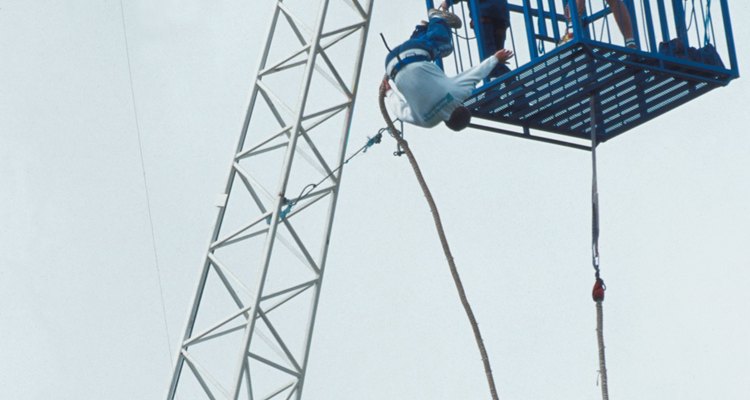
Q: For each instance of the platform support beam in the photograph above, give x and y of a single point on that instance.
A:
(729, 37)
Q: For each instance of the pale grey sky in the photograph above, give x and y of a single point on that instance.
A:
(80, 308)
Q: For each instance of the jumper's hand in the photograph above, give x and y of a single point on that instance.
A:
(503, 55)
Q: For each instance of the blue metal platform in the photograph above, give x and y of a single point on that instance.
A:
(551, 91)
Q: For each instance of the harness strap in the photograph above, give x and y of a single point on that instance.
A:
(386, 45)
(404, 62)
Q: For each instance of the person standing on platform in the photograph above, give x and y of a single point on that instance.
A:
(494, 21)
(619, 11)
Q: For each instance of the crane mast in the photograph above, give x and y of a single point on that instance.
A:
(250, 325)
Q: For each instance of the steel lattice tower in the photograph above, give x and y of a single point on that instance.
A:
(249, 329)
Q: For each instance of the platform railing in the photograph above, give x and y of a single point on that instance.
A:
(538, 25)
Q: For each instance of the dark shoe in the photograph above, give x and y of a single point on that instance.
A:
(451, 19)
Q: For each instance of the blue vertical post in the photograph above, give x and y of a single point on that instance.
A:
(540, 15)
(431, 5)
(679, 21)
(729, 37)
(555, 22)
(474, 11)
(649, 26)
(541, 22)
(633, 21)
(578, 32)
(663, 21)
(529, 29)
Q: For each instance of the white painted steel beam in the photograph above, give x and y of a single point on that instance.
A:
(249, 287)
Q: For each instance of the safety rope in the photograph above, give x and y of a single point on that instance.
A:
(693, 17)
(441, 233)
(458, 59)
(705, 16)
(513, 44)
(599, 286)
(290, 203)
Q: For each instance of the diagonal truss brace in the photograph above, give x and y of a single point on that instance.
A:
(254, 304)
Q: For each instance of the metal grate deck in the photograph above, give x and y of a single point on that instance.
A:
(552, 93)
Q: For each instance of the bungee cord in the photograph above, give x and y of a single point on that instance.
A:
(404, 145)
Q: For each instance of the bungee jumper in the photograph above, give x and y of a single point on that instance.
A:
(604, 79)
(420, 92)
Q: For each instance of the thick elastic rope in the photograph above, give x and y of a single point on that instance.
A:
(443, 240)
(600, 341)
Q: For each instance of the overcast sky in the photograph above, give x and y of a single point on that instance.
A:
(80, 305)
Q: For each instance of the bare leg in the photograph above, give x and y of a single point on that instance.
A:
(622, 17)
(581, 5)
(619, 11)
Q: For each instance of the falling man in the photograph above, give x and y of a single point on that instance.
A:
(421, 93)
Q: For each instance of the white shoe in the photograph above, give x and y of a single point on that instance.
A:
(451, 19)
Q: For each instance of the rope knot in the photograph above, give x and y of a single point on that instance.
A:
(598, 292)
